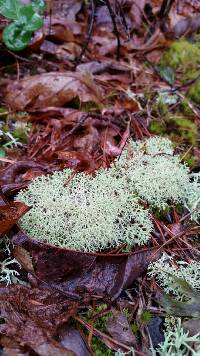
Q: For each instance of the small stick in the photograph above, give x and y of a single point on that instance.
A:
(115, 30)
(7, 160)
(89, 34)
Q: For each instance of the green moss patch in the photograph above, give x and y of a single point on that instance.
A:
(184, 58)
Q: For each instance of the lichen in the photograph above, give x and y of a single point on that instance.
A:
(193, 197)
(153, 173)
(88, 214)
(165, 268)
(8, 264)
(177, 342)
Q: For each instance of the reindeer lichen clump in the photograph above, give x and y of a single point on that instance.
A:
(84, 213)
(95, 213)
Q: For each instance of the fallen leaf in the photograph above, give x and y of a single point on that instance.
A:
(119, 328)
(67, 10)
(32, 317)
(71, 339)
(192, 326)
(17, 175)
(187, 26)
(155, 330)
(51, 89)
(78, 273)
(190, 308)
(10, 214)
(74, 139)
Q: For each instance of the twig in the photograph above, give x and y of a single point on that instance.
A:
(105, 337)
(89, 34)
(123, 19)
(165, 9)
(115, 30)
(7, 160)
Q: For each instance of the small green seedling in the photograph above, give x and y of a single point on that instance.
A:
(26, 20)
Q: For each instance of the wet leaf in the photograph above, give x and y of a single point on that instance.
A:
(32, 317)
(17, 175)
(187, 26)
(52, 89)
(190, 308)
(78, 273)
(71, 339)
(10, 214)
(192, 325)
(119, 328)
(155, 330)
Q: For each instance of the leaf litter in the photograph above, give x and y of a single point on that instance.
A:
(89, 81)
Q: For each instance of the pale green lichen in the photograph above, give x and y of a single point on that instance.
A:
(164, 269)
(88, 214)
(153, 173)
(152, 146)
(8, 274)
(193, 197)
(177, 342)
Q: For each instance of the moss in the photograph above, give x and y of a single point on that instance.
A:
(134, 328)
(184, 128)
(165, 269)
(21, 132)
(185, 109)
(189, 159)
(146, 316)
(177, 128)
(194, 92)
(98, 347)
(157, 127)
(161, 214)
(183, 56)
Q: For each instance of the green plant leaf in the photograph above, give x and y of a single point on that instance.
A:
(30, 19)
(27, 20)
(10, 8)
(16, 36)
(38, 5)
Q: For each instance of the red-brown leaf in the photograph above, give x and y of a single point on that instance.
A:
(10, 214)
